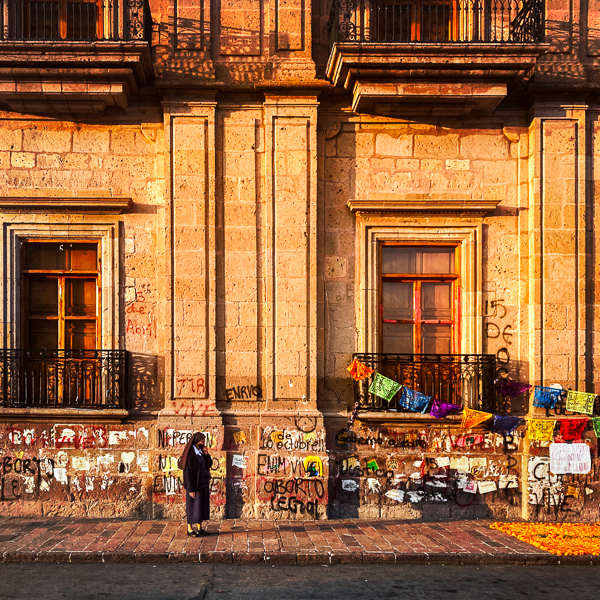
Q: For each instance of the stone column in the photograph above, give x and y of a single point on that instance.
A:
(290, 249)
(558, 259)
(190, 231)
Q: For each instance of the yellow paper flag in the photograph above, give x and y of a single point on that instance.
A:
(580, 402)
(541, 430)
(472, 418)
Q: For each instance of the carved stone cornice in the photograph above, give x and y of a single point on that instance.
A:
(426, 207)
(99, 206)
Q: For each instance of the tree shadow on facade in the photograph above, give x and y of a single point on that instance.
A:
(146, 382)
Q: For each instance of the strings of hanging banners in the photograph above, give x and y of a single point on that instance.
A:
(539, 429)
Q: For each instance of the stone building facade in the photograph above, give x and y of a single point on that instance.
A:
(209, 207)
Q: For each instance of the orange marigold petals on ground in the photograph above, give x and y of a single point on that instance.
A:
(557, 538)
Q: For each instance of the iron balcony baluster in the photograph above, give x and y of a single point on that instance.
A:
(437, 21)
(63, 378)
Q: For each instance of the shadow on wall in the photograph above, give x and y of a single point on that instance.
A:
(240, 52)
(145, 376)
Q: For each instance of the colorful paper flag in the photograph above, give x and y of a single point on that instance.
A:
(596, 425)
(472, 418)
(372, 464)
(506, 425)
(384, 387)
(440, 409)
(541, 430)
(572, 429)
(414, 400)
(359, 370)
(580, 402)
(511, 388)
(546, 397)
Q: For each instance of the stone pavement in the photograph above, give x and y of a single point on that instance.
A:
(271, 542)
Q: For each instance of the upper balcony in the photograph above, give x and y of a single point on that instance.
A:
(65, 56)
(439, 57)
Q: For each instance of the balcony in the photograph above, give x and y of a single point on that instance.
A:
(463, 379)
(438, 57)
(91, 379)
(73, 56)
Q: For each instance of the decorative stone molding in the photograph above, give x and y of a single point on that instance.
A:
(425, 207)
(99, 206)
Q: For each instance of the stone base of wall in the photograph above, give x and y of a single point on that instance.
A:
(288, 468)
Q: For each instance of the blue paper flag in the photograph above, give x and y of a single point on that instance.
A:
(506, 425)
(414, 400)
(546, 397)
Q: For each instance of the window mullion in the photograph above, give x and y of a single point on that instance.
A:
(61, 313)
(417, 309)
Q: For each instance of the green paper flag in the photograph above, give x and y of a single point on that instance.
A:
(596, 424)
(372, 464)
(384, 387)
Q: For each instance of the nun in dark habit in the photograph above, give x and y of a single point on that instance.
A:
(195, 462)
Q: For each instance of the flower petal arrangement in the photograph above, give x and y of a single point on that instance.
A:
(567, 539)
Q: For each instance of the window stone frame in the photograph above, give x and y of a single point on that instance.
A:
(467, 234)
(106, 234)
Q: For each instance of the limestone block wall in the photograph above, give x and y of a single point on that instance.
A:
(232, 42)
(57, 159)
(240, 300)
(366, 158)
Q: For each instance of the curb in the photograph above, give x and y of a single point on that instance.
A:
(298, 558)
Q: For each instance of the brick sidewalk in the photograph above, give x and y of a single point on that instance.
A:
(271, 542)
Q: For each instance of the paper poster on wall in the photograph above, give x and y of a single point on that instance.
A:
(570, 458)
(485, 487)
(349, 485)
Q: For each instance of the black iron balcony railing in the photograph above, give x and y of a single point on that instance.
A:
(464, 379)
(74, 20)
(63, 378)
(437, 21)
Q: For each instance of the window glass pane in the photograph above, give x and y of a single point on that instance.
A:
(391, 21)
(81, 335)
(435, 21)
(397, 300)
(44, 257)
(84, 257)
(416, 260)
(398, 259)
(43, 335)
(42, 297)
(80, 298)
(436, 301)
(43, 20)
(81, 20)
(437, 260)
(437, 339)
(397, 338)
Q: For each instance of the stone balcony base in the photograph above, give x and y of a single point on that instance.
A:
(419, 79)
(72, 77)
